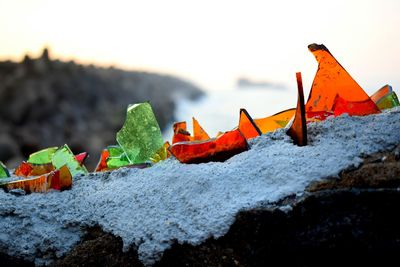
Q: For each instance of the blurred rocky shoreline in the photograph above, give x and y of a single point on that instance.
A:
(47, 102)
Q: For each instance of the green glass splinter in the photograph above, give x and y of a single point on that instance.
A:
(4, 173)
(140, 137)
(64, 156)
(117, 157)
(43, 156)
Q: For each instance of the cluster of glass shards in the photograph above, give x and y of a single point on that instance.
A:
(140, 143)
(50, 168)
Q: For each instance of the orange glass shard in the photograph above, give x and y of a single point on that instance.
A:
(30, 185)
(216, 149)
(102, 164)
(330, 80)
(353, 108)
(24, 169)
(382, 92)
(180, 132)
(60, 179)
(298, 129)
(276, 121)
(167, 146)
(247, 126)
(198, 132)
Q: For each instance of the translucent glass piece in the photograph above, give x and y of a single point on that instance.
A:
(3, 171)
(60, 179)
(167, 146)
(160, 155)
(298, 129)
(388, 101)
(356, 108)
(382, 92)
(330, 80)
(102, 164)
(216, 149)
(140, 137)
(64, 156)
(198, 132)
(43, 156)
(81, 157)
(35, 184)
(117, 157)
(276, 121)
(180, 132)
(24, 169)
(247, 126)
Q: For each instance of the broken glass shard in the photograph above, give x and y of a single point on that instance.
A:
(276, 121)
(247, 126)
(102, 164)
(117, 157)
(43, 156)
(353, 108)
(3, 171)
(382, 92)
(330, 80)
(298, 129)
(388, 101)
(81, 157)
(140, 136)
(64, 156)
(215, 149)
(180, 132)
(198, 132)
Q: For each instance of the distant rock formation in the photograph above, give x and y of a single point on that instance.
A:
(46, 102)
(243, 83)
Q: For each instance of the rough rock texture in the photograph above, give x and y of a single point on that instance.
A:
(347, 220)
(46, 102)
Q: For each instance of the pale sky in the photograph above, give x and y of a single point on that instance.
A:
(211, 42)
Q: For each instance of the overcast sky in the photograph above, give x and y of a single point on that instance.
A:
(211, 42)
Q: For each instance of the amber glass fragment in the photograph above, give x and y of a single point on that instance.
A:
(167, 146)
(26, 169)
(276, 121)
(298, 129)
(60, 179)
(35, 184)
(198, 132)
(216, 149)
(102, 164)
(247, 126)
(330, 80)
(180, 132)
(355, 108)
(382, 92)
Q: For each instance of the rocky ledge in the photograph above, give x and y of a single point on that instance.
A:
(350, 219)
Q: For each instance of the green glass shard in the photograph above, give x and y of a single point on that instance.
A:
(388, 101)
(43, 156)
(140, 137)
(64, 156)
(4, 173)
(117, 157)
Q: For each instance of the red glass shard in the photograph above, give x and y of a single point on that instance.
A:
(247, 126)
(216, 149)
(198, 132)
(102, 164)
(359, 108)
(298, 129)
(24, 169)
(330, 80)
(81, 157)
(180, 132)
